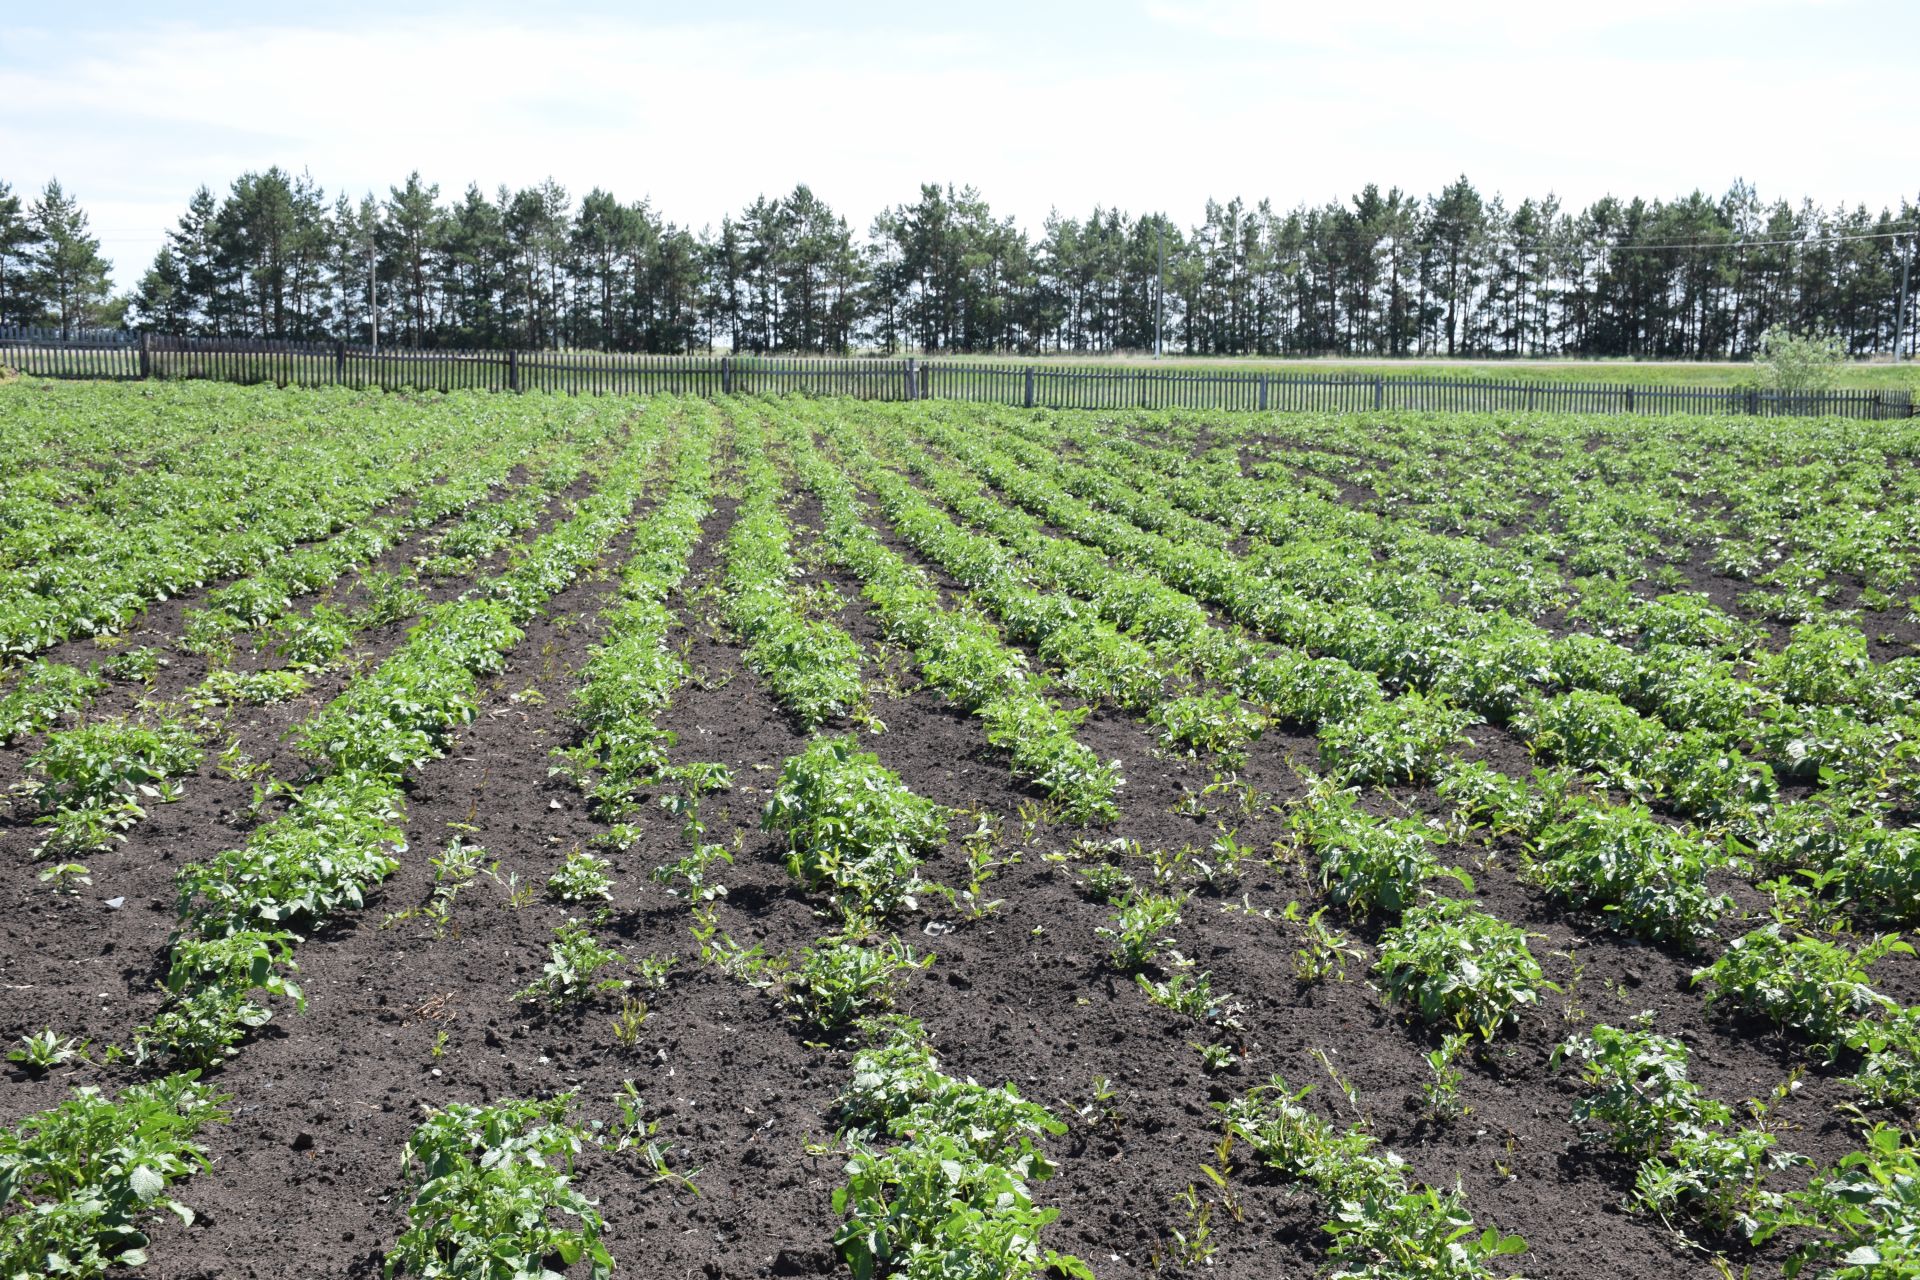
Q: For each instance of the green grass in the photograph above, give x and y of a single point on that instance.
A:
(1855, 376)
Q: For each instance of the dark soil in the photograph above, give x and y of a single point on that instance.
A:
(307, 1178)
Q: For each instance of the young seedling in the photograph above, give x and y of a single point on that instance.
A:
(66, 877)
(1325, 951)
(1441, 1094)
(1138, 930)
(836, 981)
(574, 958)
(43, 1051)
(628, 1023)
(582, 878)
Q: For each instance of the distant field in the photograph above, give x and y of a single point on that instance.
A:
(1720, 373)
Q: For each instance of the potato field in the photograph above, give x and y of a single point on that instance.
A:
(497, 836)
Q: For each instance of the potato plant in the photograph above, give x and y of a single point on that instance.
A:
(940, 1168)
(1381, 1219)
(853, 828)
(1454, 963)
(493, 1193)
(1798, 981)
(837, 981)
(42, 695)
(1649, 878)
(78, 1181)
(1367, 864)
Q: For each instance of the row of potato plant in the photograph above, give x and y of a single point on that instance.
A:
(1649, 877)
(938, 1169)
(90, 783)
(296, 470)
(234, 949)
(959, 654)
(811, 665)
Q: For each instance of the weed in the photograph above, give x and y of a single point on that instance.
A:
(43, 1051)
(1138, 929)
(568, 977)
(1441, 1094)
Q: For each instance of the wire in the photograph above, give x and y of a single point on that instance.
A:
(1761, 244)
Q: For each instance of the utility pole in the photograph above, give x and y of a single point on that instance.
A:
(373, 294)
(1900, 306)
(1160, 295)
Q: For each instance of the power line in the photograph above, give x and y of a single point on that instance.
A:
(1604, 247)
(1762, 244)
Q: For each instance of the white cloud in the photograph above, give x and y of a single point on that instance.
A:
(1458, 23)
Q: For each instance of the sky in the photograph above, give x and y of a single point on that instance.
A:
(1150, 105)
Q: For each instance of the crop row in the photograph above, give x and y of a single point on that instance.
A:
(234, 947)
(88, 782)
(1408, 737)
(331, 471)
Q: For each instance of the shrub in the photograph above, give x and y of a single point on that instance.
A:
(1794, 361)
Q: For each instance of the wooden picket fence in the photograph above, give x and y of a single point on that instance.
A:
(121, 355)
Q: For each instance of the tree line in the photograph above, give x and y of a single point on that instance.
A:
(1386, 273)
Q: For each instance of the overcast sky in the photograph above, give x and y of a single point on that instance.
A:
(1147, 104)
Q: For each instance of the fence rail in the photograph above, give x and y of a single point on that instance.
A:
(113, 354)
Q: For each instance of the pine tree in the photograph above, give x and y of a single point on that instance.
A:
(161, 302)
(68, 271)
(19, 303)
